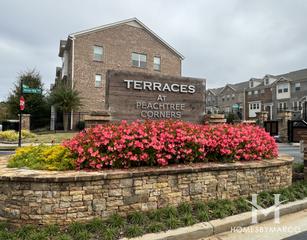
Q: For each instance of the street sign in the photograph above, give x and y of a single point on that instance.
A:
(22, 103)
(235, 106)
(32, 90)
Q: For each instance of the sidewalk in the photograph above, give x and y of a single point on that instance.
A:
(292, 227)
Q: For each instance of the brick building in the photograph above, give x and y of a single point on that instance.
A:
(277, 93)
(271, 93)
(228, 99)
(126, 45)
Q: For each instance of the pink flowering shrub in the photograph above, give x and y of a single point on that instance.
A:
(161, 143)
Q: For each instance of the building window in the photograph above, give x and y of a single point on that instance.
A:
(139, 60)
(283, 105)
(157, 63)
(233, 96)
(256, 92)
(249, 93)
(266, 81)
(98, 80)
(297, 86)
(98, 53)
(228, 96)
(251, 84)
(262, 91)
(283, 88)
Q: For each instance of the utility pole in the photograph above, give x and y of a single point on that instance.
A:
(20, 112)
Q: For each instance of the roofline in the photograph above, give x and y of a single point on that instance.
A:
(227, 85)
(209, 90)
(95, 29)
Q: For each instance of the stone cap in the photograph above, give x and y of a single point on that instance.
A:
(18, 175)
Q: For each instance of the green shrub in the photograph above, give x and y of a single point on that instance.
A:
(80, 125)
(43, 157)
(11, 135)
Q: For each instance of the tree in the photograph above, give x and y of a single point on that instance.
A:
(65, 99)
(36, 104)
(4, 113)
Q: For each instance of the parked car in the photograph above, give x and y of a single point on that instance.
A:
(277, 138)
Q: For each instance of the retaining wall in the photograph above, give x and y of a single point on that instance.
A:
(42, 197)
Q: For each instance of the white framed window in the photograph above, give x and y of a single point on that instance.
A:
(98, 53)
(297, 86)
(98, 80)
(262, 91)
(157, 64)
(233, 96)
(283, 105)
(283, 88)
(267, 81)
(139, 60)
(256, 92)
(251, 84)
(249, 93)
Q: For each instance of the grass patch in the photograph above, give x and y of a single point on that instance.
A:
(50, 137)
(139, 223)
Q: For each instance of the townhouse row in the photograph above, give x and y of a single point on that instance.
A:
(272, 93)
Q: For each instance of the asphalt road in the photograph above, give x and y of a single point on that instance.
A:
(291, 150)
(6, 152)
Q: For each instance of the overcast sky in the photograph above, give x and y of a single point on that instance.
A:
(225, 41)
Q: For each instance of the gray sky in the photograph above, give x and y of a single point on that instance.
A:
(225, 41)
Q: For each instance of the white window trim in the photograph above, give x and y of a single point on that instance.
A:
(155, 64)
(94, 54)
(139, 59)
(96, 85)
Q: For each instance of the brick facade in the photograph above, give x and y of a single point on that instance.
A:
(118, 43)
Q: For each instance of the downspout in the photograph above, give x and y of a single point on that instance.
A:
(72, 78)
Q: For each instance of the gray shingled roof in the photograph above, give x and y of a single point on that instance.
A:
(295, 75)
(240, 86)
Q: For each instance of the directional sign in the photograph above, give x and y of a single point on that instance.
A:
(22, 103)
(32, 90)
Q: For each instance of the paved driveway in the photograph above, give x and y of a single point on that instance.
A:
(291, 150)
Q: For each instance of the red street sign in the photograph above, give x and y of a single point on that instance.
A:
(22, 103)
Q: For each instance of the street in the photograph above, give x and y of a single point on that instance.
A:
(291, 150)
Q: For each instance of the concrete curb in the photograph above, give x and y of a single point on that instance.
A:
(206, 229)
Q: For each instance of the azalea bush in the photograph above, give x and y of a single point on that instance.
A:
(153, 143)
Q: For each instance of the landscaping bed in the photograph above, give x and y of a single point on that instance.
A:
(154, 143)
(138, 223)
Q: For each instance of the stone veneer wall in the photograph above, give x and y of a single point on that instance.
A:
(42, 197)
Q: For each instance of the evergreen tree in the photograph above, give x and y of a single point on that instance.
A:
(35, 104)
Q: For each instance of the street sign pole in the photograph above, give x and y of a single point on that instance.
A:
(20, 114)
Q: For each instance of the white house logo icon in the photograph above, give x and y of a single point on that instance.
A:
(265, 211)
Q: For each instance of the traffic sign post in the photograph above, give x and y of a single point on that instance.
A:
(21, 108)
(24, 89)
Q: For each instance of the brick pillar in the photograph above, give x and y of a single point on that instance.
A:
(304, 140)
(283, 118)
(25, 123)
(214, 118)
(262, 117)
